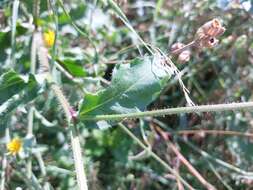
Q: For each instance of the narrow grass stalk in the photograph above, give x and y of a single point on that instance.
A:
(214, 132)
(219, 176)
(190, 167)
(124, 19)
(13, 31)
(204, 154)
(153, 155)
(31, 109)
(171, 111)
(217, 160)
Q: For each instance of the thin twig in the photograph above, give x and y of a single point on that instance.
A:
(190, 167)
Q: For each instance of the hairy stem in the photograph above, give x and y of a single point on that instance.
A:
(171, 111)
(75, 142)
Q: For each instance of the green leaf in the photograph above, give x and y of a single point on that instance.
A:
(10, 83)
(72, 67)
(133, 87)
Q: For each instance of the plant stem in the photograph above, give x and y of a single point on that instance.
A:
(75, 142)
(77, 153)
(4, 166)
(13, 31)
(171, 111)
(152, 154)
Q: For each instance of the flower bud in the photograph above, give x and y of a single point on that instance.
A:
(184, 56)
(49, 38)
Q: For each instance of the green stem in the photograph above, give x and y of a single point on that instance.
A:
(153, 155)
(75, 142)
(171, 111)
(13, 31)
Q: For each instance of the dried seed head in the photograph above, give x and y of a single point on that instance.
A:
(212, 28)
(207, 33)
(184, 56)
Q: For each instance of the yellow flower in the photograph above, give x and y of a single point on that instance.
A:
(14, 146)
(49, 38)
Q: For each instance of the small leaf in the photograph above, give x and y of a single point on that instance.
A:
(133, 87)
(10, 83)
(72, 67)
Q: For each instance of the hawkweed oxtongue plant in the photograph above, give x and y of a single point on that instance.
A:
(132, 88)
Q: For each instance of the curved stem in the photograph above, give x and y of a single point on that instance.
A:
(68, 111)
(171, 111)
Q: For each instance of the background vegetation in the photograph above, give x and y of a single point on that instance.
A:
(94, 44)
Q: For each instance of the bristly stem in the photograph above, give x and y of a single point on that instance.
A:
(75, 142)
(68, 111)
(171, 111)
